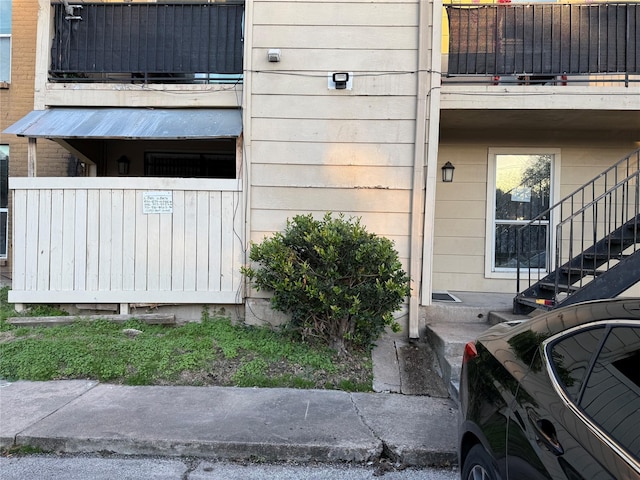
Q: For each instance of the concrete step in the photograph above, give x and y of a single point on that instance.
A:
(448, 340)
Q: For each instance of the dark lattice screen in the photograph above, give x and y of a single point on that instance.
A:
(544, 39)
(149, 37)
(190, 165)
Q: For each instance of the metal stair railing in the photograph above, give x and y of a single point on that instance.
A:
(583, 218)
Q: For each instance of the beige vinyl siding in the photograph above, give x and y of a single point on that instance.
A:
(340, 154)
(319, 12)
(314, 149)
(459, 242)
(323, 106)
(279, 80)
(380, 223)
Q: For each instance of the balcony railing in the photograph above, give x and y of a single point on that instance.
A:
(148, 42)
(545, 43)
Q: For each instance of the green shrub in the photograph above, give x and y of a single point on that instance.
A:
(339, 283)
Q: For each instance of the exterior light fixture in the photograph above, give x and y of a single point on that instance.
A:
(340, 80)
(123, 165)
(447, 172)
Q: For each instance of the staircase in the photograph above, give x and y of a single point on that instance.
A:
(595, 243)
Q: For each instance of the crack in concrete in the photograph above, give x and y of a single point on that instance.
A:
(379, 453)
(192, 465)
(395, 349)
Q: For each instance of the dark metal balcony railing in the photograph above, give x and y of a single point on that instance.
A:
(148, 42)
(550, 40)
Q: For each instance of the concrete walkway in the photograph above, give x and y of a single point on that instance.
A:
(229, 423)
(411, 420)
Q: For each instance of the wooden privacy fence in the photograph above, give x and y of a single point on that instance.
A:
(133, 240)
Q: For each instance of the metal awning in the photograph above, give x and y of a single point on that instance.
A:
(130, 123)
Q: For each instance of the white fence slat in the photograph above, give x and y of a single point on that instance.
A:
(190, 246)
(166, 249)
(215, 240)
(153, 251)
(39, 212)
(202, 241)
(68, 239)
(178, 241)
(55, 224)
(80, 253)
(140, 280)
(93, 239)
(20, 242)
(104, 255)
(116, 247)
(128, 239)
(227, 262)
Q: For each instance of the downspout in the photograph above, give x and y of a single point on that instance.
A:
(426, 148)
(246, 106)
(417, 197)
(432, 150)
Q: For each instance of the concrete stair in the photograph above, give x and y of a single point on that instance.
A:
(448, 340)
(449, 326)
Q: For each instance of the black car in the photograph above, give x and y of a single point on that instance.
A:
(554, 397)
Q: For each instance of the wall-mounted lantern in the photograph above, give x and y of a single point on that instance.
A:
(447, 172)
(123, 165)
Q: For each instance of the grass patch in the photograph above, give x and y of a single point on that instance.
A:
(211, 352)
(20, 450)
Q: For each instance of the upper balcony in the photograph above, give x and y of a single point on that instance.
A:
(533, 58)
(117, 54)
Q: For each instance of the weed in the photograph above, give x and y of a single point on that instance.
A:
(18, 450)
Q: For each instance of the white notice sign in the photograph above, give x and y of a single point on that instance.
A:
(157, 202)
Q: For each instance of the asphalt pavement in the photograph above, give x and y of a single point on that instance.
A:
(228, 423)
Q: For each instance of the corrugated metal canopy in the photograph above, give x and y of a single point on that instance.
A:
(129, 123)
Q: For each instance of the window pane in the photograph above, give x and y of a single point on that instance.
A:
(522, 186)
(5, 17)
(612, 394)
(5, 59)
(533, 246)
(570, 357)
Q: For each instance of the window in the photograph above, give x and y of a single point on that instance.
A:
(5, 41)
(4, 200)
(520, 188)
(215, 164)
(612, 393)
(598, 368)
(571, 357)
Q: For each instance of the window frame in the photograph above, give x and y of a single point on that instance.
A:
(8, 35)
(4, 253)
(490, 223)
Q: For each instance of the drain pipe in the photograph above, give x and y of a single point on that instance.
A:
(426, 148)
(417, 197)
